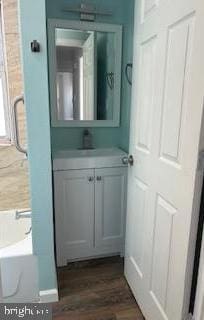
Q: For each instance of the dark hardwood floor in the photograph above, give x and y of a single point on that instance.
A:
(95, 290)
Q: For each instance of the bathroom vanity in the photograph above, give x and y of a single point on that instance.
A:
(90, 203)
(89, 185)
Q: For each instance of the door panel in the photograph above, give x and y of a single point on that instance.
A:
(167, 107)
(161, 250)
(139, 225)
(148, 6)
(146, 97)
(74, 214)
(175, 91)
(110, 200)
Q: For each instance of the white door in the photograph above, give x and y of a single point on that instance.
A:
(167, 106)
(89, 77)
(74, 214)
(110, 208)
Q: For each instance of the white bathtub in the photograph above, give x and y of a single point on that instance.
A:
(20, 248)
(18, 265)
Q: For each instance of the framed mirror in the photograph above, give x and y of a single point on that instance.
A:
(85, 73)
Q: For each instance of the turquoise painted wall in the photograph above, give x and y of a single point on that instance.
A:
(33, 26)
(35, 66)
(123, 14)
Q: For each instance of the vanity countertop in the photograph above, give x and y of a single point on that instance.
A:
(88, 159)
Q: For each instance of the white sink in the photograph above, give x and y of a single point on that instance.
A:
(87, 159)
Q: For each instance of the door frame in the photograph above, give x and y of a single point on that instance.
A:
(193, 237)
(200, 186)
(199, 299)
(1, 293)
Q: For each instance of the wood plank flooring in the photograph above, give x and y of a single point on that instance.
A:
(95, 290)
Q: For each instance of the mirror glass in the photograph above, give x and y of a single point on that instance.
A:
(85, 74)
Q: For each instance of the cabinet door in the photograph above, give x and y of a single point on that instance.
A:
(110, 207)
(74, 214)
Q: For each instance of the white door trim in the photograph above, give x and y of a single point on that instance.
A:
(199, 302)
(1, 292)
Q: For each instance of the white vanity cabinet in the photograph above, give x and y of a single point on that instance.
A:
(74, 214)
(90, 206)
(110, 207)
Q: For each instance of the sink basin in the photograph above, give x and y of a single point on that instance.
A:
(87, 159)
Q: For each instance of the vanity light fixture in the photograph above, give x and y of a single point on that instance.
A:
(128, 76)
(110, 79)
(87, 11)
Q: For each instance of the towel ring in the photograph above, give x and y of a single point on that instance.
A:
(110, 79)
(128, 66)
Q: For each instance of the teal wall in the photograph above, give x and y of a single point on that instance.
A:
(35, 69)
(33, 26)
(103, 137)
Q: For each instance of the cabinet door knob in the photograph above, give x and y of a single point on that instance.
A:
(128, 160)
(90, 179)
(99, 178)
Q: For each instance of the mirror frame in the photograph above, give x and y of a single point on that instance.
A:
(87, 26)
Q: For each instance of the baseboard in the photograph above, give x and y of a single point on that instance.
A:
(48, 296)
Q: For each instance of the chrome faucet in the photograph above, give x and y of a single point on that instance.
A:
(23, 214)
(87, 139)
